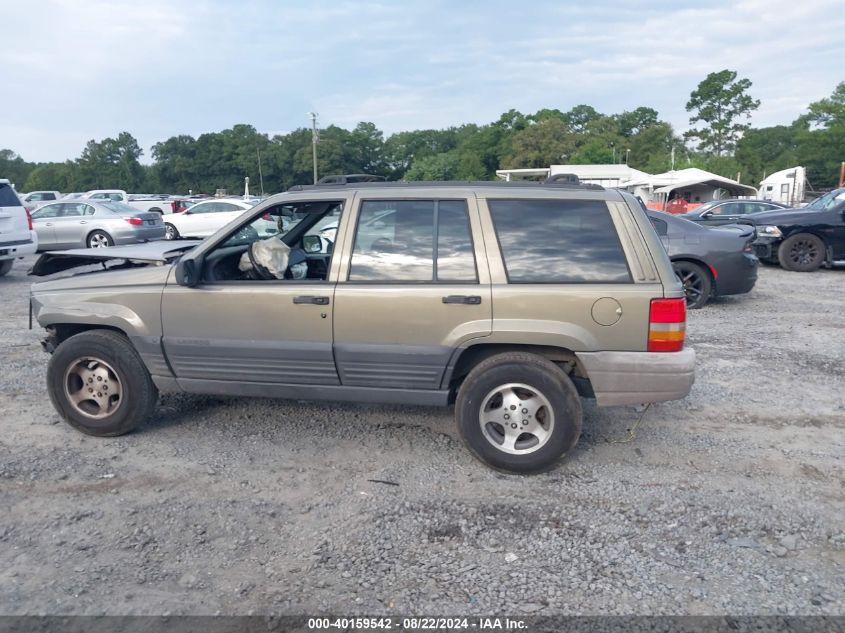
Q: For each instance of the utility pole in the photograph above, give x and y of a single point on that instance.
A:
(314, 142)
(260, 175)
(627, 151)
(842, 173)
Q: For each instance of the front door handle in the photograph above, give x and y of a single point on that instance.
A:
(319, 301)
(472, 300)
(83, 222)
(48, 224)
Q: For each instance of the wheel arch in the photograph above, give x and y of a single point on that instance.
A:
(465, 358)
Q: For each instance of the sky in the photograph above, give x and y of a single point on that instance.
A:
(75, 70)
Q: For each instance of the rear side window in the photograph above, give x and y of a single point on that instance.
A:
(660, 227)
(413, 240)
(559, 241)
(8, 198)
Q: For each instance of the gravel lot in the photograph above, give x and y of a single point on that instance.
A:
(731, 501)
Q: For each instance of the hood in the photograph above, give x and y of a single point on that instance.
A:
(160, 251)
(781, 216)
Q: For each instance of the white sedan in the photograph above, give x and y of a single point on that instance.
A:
(204, 218)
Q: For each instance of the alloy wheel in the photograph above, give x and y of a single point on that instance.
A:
(92, 387)
(516, 418)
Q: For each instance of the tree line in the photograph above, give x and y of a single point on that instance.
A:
(720, 141)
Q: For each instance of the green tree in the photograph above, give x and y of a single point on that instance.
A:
(829, 112)
(765, 150)
(112, 163)
(548, 142)
(443, 166)
(720, 102)
(14, 168)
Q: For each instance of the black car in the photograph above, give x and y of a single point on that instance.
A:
(803, 239)
(717, 212)
(709, 261)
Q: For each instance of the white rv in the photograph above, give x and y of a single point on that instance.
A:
(785, 186)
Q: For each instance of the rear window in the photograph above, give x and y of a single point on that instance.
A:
(8, 197)
(559, 241)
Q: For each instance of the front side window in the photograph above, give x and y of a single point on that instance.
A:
(413, 240)
(559, 241)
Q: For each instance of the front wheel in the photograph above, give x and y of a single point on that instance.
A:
(802, 253)
(99, 385)
(696, 283)
(100, 239)
(518, 412)
(170, 232)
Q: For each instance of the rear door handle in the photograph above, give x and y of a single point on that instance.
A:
(83, 222)
(473, 300)
(319, 301)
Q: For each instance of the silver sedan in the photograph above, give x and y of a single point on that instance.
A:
(93, 224)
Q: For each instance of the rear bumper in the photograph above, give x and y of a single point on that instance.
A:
(141, 234)
(639, 377)
(18, 248)
(739, 276)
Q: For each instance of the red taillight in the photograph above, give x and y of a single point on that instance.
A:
(28, 218)
(134, 221)
(174, 206)
(748, 248)
(667, 325)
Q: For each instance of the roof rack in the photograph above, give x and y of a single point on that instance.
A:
(498, 184)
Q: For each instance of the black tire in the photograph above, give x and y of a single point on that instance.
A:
(6, 266)
(99, 239)
(696, 282)
(540, 376)
(124, 370)
(802, 253)
(170, 232)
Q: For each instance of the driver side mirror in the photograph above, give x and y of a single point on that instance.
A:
(313, 244)
(186, 273)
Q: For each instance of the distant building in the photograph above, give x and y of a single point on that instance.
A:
(694, 185)
(604, 175)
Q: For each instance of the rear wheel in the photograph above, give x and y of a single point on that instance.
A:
(802, 253)
(170, 232)
(99, 239)
(99, 385)
(696, 283)
(6, 266)
(518, 412)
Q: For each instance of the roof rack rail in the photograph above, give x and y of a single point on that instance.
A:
(345, 179)
(498, 184)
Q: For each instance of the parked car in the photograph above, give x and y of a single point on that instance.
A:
(34, 199)
(204, 218)
(710, 262)
(16, 235)
(803, 239)
(155, 203)
(93, 223)
(584, 296)
(718, 212)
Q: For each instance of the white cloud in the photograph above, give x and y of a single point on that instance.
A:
(91, 68)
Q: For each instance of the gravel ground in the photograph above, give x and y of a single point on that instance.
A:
(730, 501)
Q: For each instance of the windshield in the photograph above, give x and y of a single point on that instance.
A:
(279, 221)
(827, 200)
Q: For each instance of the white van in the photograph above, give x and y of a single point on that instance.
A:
(16, 235)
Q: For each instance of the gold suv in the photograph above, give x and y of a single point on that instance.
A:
(506, 300)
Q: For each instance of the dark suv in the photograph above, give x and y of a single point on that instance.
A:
(803, 239)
